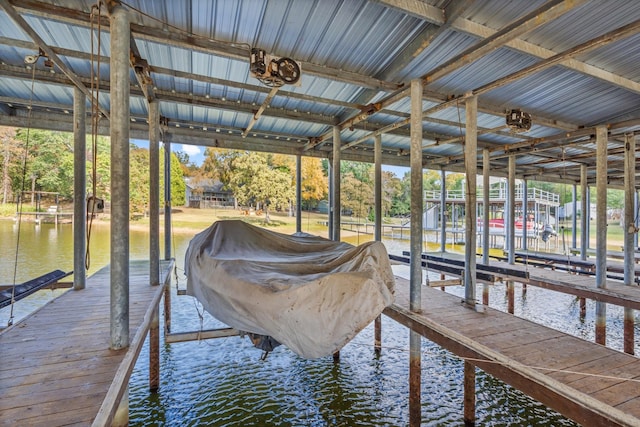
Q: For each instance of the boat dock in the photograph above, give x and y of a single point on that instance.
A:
(584, 381)
(57, 367)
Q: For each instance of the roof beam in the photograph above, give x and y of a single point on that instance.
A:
(473, 28)
(470, 27)
(602, 40)
(549, 11)
(534, 19)
(22, 24)
(186, 40)
(419, 9)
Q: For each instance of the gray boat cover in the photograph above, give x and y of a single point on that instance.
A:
(309, 293)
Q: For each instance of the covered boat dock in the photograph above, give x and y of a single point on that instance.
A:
(543, 91)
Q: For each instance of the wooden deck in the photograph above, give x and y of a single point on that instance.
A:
(56, 366)
(582, 380)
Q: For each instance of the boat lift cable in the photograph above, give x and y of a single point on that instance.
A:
(95, 120)
(25, 158)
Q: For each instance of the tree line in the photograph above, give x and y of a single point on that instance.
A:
(43, 161)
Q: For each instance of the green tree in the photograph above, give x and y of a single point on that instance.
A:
(254, 180)
(178, 186)
(391, 185)
(10, 155)
(138, 180)
(50, 160)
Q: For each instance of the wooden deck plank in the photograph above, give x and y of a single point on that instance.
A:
(515, 354)
(59, 369)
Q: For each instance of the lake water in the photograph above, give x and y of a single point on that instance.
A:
(223, 382)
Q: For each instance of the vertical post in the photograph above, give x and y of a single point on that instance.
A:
(377, 154)
(574, 218)
(471, 223)
(335, 202)
(601, 229)
(154, 192)
(415, 303)
(79, 189)
(525, 205)
(167, 309)
(511, 210)
(588, 219)
(511, 228)
(469, 394)
(167, 196)
(486, 184)
(584, 216)
(636, 203)
(120, 37)
(330, 205)
(443, 210)
(298, 193)
(629, 234)
(154, 352)
(154, 240)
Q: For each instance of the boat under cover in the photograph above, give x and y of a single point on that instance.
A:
(309, 293)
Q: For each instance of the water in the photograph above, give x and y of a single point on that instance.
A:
(223, 382)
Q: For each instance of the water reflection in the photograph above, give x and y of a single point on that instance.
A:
(223, 382)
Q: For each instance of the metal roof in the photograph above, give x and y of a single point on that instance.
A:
(354, 55)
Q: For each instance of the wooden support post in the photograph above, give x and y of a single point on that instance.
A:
(469, 394)
(167, 308)
(378, 226)
(336, 357)
(510, 297)
(629, 235)
(601, 230)
(586, 213)
(378, 335)
(119, 134)
(336, 206)
(154, 192)
(415, 377)
(583, 307)
(154, 352)
(79, 189)
(298, 193)
(471, 223)
(511, 210)
(415, 283)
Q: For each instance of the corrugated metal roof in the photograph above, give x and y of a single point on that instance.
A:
(198, 53)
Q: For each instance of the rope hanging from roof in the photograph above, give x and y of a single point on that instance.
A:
(93, 203)
(30, 59)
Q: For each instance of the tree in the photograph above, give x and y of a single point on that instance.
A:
(254, 180)
(356, 195)
(10, 155)
(138, 180)
(315, 185)
(50, 160)
(178, 186)
(189, 168)
(391, 185)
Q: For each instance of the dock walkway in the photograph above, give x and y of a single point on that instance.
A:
(57, 368)
(584, 381)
